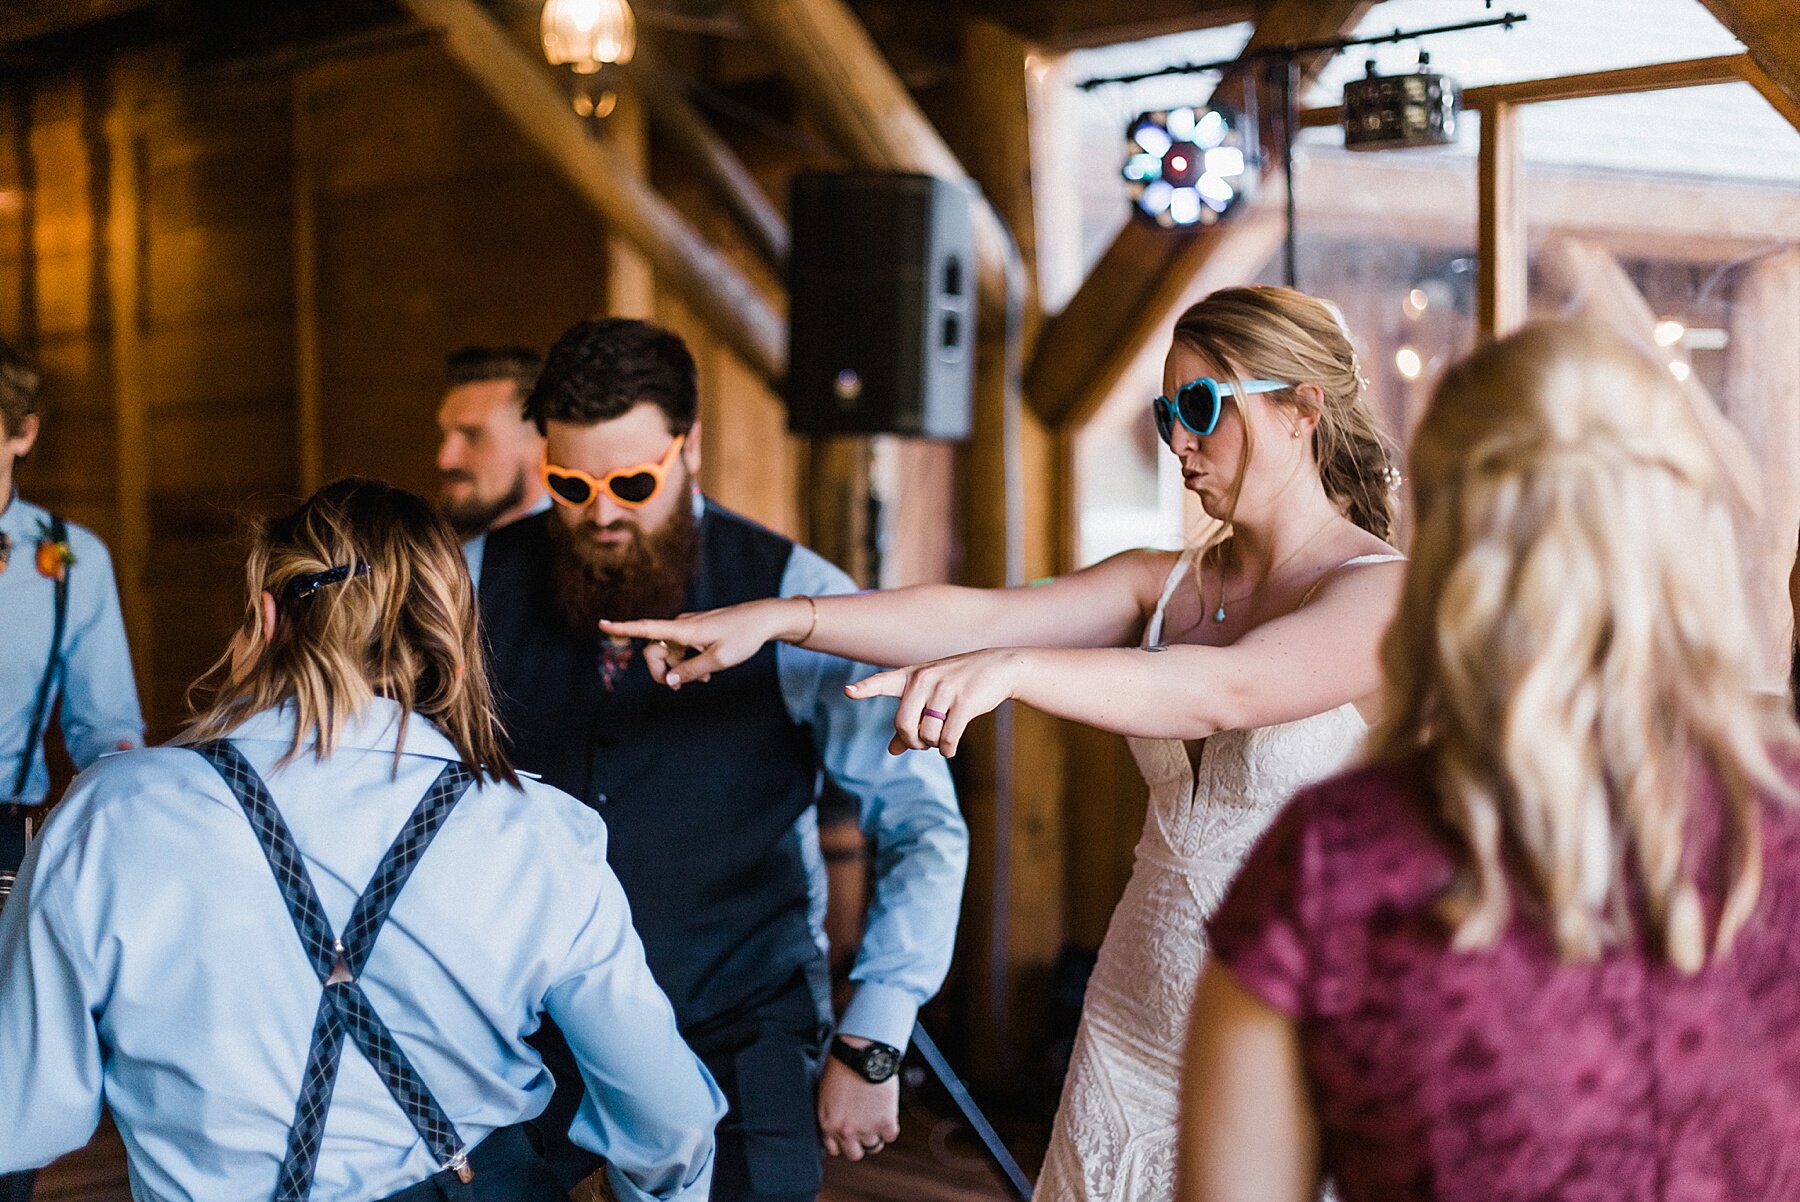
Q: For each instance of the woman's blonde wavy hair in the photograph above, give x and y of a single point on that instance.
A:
(1282, 334)
(1574, 649)
(405, 630)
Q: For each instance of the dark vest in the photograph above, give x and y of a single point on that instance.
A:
(700, 788)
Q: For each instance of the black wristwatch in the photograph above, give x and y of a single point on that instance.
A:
(874, 1064)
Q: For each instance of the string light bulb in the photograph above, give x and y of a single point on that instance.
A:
(588, 34)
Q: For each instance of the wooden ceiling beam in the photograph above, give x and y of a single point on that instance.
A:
(704, 279)
(1126, 298)
(27, 20)
(1770, 31)
(1075, 24)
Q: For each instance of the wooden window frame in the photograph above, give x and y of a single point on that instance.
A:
(1501, 244)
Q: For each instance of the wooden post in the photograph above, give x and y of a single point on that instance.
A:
(522, 89)
(630, 289)
(1762, 399)
(1016, 906)
(1501, 237)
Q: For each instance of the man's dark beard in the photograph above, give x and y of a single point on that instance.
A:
(646, 577)
(473, 516)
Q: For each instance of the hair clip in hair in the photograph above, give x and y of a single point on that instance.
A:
(302, 587)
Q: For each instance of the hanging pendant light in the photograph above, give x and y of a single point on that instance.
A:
(589, 34)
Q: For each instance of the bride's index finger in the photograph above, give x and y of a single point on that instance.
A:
(882, 684)
(653, 630)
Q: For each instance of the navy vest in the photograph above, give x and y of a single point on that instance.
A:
(700, 788)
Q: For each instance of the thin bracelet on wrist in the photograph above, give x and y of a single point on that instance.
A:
(811, 626)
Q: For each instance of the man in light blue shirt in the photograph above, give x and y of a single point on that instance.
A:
(63, 635)
(299, 956)
(93, 664)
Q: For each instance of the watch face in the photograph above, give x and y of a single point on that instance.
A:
(879, 1063)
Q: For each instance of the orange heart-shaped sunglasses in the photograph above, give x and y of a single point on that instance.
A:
(632, 487)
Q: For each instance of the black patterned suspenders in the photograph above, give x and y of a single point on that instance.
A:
(345, 1011)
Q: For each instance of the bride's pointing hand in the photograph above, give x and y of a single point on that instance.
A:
(719, 638)
(938, 700)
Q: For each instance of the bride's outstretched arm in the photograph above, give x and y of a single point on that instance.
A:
(1096, 607)
(1321, 656)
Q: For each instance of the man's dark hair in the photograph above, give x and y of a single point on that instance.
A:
(599, 370)
(479, 364)
(18, 390)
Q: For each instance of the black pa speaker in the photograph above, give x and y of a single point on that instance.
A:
(881, 316)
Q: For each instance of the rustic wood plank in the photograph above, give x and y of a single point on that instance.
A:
(1500, 223)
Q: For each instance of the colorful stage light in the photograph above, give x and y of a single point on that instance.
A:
(1187, 166)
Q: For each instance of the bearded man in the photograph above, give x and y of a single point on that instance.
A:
(489, 452)
(709, 793)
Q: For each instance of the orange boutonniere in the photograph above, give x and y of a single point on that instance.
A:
(54, 557)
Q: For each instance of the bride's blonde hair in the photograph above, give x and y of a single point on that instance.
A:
(1283, 334)
(1574, 645)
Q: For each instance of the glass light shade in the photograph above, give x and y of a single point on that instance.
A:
(588, 34)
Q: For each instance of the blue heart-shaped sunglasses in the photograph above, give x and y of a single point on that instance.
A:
(1198, 403)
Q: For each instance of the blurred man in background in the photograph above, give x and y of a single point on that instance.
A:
(489, 458)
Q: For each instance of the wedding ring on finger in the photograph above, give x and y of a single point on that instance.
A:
(928, 712)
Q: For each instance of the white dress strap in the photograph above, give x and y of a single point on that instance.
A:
(1349, 563)
(1183, 562)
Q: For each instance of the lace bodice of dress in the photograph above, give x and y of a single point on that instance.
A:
(1214, 808)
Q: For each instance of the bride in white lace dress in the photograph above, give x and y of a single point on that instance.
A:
(1237, 671)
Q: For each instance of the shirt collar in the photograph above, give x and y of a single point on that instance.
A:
(376, 728)
(20, 519)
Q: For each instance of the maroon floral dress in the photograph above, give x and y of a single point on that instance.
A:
(1502, 1074)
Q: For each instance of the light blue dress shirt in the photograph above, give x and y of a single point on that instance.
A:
(908, 807)
(99, 695)
(147, 958)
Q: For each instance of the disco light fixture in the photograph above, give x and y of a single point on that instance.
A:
(1189, 166)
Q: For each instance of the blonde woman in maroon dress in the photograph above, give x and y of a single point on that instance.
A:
(1547, 944)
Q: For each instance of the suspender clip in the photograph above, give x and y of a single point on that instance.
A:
(459, 1164)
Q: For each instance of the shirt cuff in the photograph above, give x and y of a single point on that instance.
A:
(881, 1013)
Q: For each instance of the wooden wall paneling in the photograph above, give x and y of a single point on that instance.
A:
(309, 383)
(1762, 399)
(1500, 223)
(217, 355)
(125, 255)
(18, 307)
(435, 228)
(72, 470)
(523, 91)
